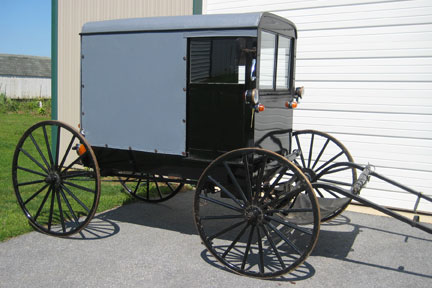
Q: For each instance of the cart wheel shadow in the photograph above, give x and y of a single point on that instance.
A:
(336, 238)
(302, 272)
(99, 228)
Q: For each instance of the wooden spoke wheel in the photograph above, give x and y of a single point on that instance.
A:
(150, 187)
(256, 212)
(319, 151)
(57, 188)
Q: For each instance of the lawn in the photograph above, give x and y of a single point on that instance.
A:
(12, 220)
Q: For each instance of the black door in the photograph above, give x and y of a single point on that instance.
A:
(218, 120)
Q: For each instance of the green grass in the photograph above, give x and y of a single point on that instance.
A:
(12, 220)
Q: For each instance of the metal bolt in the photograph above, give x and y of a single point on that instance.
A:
(184, 58)
(82, 113)
(130, 148)
(82, 56)
(155, 150)
(82, 85)
(184, 121)
(106, 145)
(184, 89)
(184, 153)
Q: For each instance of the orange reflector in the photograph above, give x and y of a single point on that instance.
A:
(261, 107)
(292, 105)
(82, 149)
(79, 125)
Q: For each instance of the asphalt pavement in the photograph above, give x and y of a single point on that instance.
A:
(148, 245)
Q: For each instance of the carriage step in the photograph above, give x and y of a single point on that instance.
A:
(328, 206)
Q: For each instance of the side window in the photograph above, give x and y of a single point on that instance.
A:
(275, 75)
(283, 63)
(266, 72)
(217, 60)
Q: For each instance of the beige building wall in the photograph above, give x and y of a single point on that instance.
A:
(72, 14)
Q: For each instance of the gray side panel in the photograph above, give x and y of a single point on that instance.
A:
(132, 95)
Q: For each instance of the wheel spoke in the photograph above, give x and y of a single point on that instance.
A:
(158, 190)
(330, 161)
(221, 203)
(79, 187)
(73, 163)
(51, 210)
(222, 217)
(229, 228)
(75, 218)
(291, 225)
(48, 145)
(75, 198)
(321, 153)
(301, 152)
(289, 210)
(57, 147)
(259, 179)
(61, 212)
(234, 180)
(287, 196)
(248, 180)
(260, 251)
(273, 185)
(35, 194)
(284, 238)
(310, 150)
(225, 191)
(30, 182)
(33, 159)
(272, 244)
(239, 235)
(67, 151)
(39, 150)
(43, 203)
(32, 171)
(247, 248)
(88, 174)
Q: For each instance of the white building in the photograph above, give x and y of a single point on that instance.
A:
(24, 77)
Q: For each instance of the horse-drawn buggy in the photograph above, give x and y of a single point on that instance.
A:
(199, 100)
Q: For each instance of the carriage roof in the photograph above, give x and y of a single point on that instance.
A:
(194, 22)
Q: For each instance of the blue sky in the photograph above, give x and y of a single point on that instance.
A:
(25, 27)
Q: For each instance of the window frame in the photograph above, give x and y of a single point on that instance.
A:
(275, 88)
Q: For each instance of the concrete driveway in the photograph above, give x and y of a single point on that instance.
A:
(144, 245)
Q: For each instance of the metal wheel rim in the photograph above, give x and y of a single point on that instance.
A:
(58, 186)
(274, 258)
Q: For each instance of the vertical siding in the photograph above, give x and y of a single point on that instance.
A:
(72, 15)
(367, 69)
(25, 87)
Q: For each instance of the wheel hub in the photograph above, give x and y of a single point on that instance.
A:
(53, 178)
(310, 174)
(254, 215)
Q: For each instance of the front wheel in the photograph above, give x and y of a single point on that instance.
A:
(256, 212)
(57, 188)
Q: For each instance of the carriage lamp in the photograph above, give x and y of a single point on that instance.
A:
(251, 96)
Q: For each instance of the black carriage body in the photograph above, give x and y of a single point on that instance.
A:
(167, 95)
